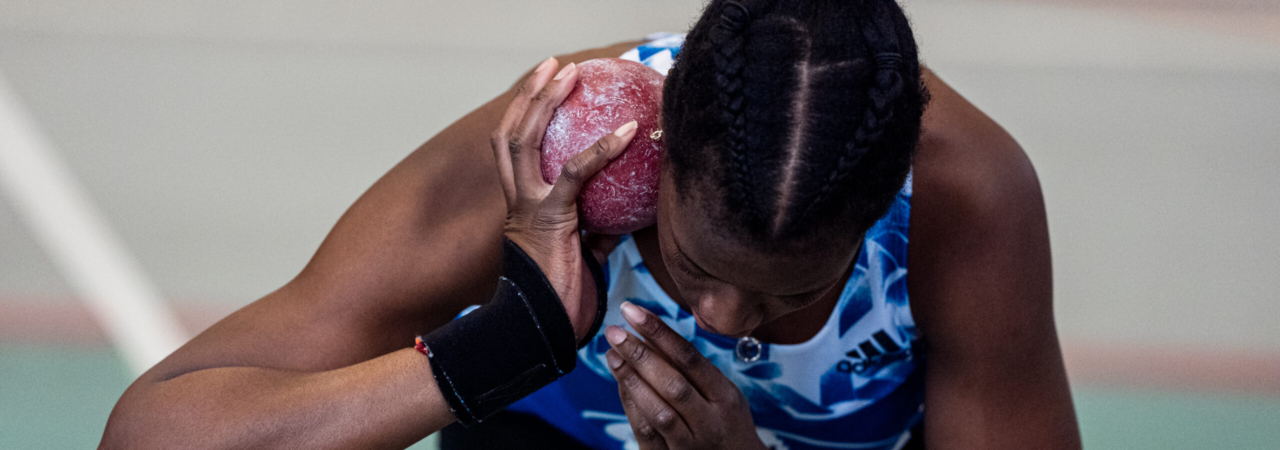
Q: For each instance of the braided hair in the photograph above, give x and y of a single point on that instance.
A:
(801, 116)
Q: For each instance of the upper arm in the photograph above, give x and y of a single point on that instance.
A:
(981, 288)
(420, 245)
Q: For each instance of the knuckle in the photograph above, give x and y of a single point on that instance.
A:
(574, 171)
(659, 332)
(679, 390)
(687, 356)
(646, 431)
(514, 144)
(630, 380)
(542, 95)
(665, 419)
(600, 148)
(638, 354)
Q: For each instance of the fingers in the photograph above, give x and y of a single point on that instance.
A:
(500, 137)
(525, 142)
(681, 354)
(654, 422)
(582, 166)
(647, 436)
(672, 385)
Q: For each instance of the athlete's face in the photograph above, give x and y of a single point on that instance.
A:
(732, 287)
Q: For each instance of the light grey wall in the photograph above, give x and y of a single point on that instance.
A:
(223, 139)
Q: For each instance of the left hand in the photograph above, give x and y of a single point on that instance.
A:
(542, 218)
(673, 396)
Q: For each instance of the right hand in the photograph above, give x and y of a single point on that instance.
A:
(542, 218)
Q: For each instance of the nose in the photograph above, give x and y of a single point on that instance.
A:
(730, 312)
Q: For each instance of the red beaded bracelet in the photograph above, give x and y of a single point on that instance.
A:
(420, 347)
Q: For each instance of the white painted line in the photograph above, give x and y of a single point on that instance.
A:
(81, 244)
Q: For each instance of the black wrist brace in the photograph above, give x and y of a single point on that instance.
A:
(519, 342)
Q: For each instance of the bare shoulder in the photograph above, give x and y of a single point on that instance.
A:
(967, 157)
(977, 216)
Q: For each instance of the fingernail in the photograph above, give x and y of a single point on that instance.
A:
(615, 335)
(632, 313)
(615, 361)
(547, 64)
(626, 129)
(565, 71)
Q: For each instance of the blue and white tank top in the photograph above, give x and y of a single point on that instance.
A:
(857, 384)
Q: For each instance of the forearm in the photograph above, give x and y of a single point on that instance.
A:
(420, 245)
(388, 402)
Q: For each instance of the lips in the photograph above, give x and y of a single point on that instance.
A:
(698, 320)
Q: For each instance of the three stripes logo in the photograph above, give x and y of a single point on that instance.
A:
(868, 357)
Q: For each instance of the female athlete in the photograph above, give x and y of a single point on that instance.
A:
(812, 164)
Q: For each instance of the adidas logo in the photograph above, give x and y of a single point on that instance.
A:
(868, 357)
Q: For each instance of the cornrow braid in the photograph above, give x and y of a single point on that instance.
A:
(729, 38)
(790, 122)
(879, 113)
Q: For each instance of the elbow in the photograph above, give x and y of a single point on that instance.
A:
(128, 426)
(125, 430)
(143, 421)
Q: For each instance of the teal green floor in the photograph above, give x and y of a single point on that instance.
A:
(52, 398)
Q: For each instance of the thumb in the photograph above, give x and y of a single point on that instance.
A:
(584, 165)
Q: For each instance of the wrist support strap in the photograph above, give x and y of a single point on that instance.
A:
(519, 342)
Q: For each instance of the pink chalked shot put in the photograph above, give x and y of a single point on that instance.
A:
(622, 197)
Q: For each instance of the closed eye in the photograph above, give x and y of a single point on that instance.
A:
(799, 300)
(686, 266)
